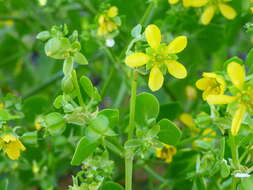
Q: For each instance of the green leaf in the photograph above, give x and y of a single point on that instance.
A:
(225, 169)
(80, 58)
(57, 48)
(84, 148)
(169, 132)
(112, 115)
(170, 111)
(247, 183)
(68, 66)
(55, 123)
(110, 185)
(133, 143)
(147, 109)
(67, 84)
(58, 102)
(136, 31)
(87, 86)
(29, 137)
(43, 36)
(100, 125)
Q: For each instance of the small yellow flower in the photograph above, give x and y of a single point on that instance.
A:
(37, 123)
(166, 152)
(191, 92)
(190, 3)
(211, 84)
(211, 7)
(209, 132)
(107, 22)
(187, 120)
(11, 146)
(159, 57)
(243, 97)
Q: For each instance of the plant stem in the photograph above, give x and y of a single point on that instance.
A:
(76, 85)
(132, 105)
(234, 152)
(129, 156)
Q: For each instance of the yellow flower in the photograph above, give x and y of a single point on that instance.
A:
(243, 97)
(191, 92)
(187, 3)
(166, 152)
(209, 132)
(37, 123)
(107, 22)
(11, 146)
(159, 57)
(187, 120)
(211, 84)
(211, 7)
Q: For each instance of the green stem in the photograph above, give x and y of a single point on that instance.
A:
(132, 105)
(76, 85)
(147, 13)
(113, 148)
(129, 156)
(236, 163)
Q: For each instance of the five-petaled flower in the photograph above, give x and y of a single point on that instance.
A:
(213, 6)
(211, 83)
(166, 152)
(243, 97)
(159, 57)
(107, 22)
(11, 145)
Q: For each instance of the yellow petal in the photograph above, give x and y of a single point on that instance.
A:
(176, 69)
(153, 36)
(13, 149)
(9, 137)
(218, 79)
(186, 3)
(187, 120)
(227, 11)
(198, 3)
(237, 119)
(177, 45)
(207, 15)
(203, 83)
(112, 12)
(136, 59)
(220, 99)
(155, 81)
(236, 73)
(173, 1)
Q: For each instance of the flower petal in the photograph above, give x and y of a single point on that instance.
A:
(237, 119)
(227, 11)
(236, 73)
(112, 12)
(172, 2)
(153, 36)
(136, 59)
(176, 69)
(186, 3)
(203, 83)
(198, 3)
(220, 99)
(13, 149)
(177, 45)
(156, 79)
(207, 15)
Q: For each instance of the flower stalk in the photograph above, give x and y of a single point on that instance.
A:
(129, 156)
